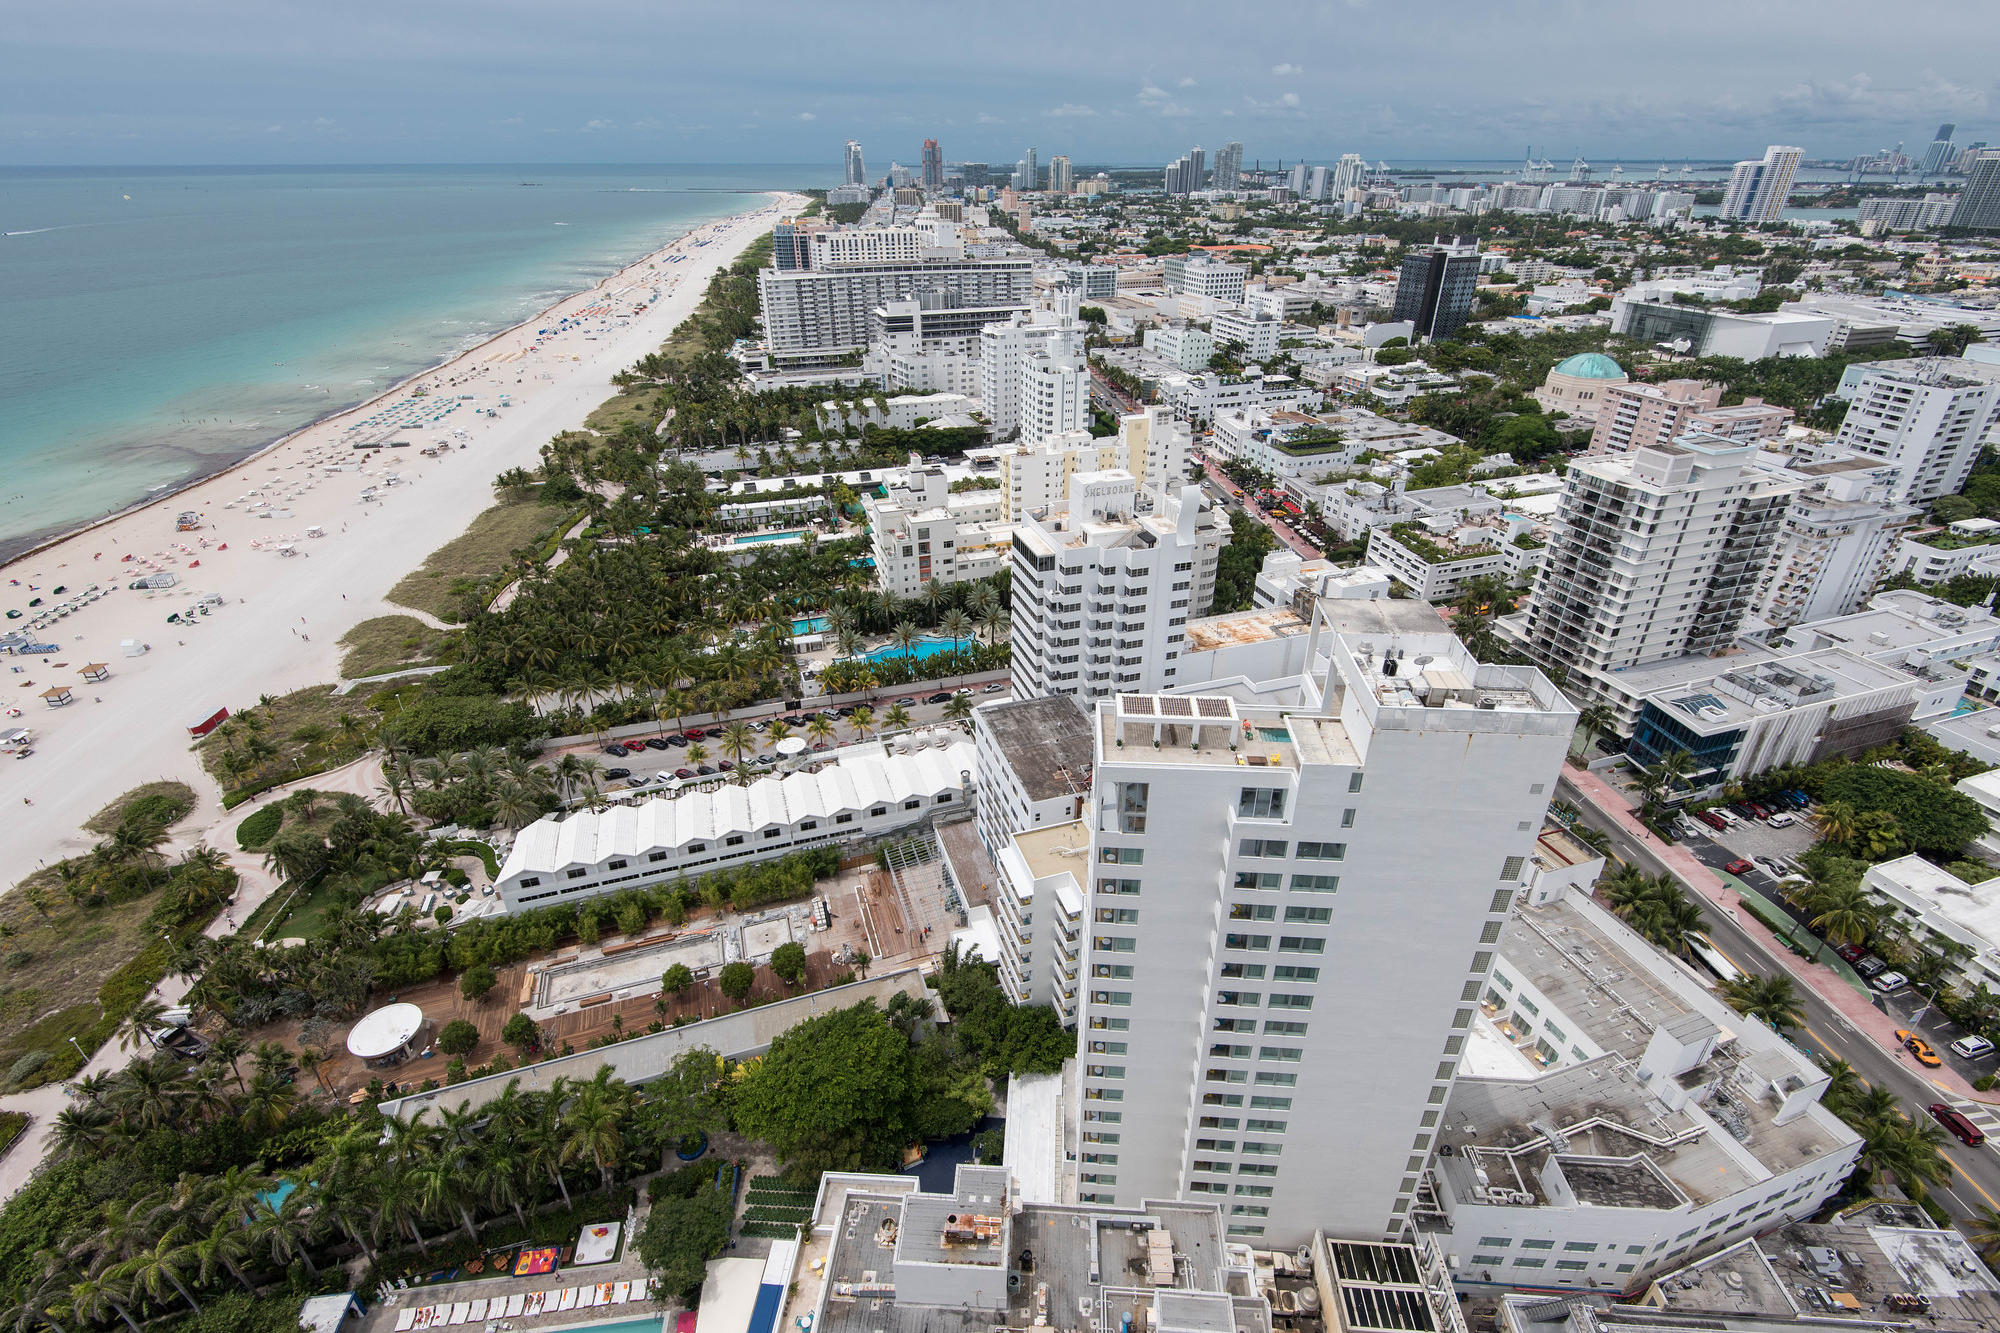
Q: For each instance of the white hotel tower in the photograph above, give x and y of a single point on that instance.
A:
(1297, 887)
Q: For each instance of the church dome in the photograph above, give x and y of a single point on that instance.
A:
(1591, 366)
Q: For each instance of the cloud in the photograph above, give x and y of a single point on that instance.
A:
(1150, 93)
(1175, 111)
(593, 126)
(1289, 99)
(807, 115)
(1287, 69)
(511, 120)
(1187, 81)
(987, 118)
(1070, 110)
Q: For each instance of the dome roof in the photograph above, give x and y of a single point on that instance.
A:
(1591, 366)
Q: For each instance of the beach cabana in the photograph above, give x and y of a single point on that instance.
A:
(57, 696)
(388, 1036)
(95, 672)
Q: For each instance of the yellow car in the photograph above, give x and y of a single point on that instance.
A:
(1918, 1047)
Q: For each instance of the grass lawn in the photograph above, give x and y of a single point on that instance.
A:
(635, 406)
(303, 727)
(482, 551)
(306, 917)
(54, 964)
(165, 803)
(388, 642)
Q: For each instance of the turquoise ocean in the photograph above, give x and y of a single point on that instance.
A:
(158, 324)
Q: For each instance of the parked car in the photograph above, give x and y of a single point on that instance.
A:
(1918, 1047)
(821, 746)
(908, 701)
(1888, 981)
(1739, 867)
(941, 697)
(613, 774)
(1971, 1048)
(615, 750)
(678, 742)
(655, 743)
(1954, 1120)
(1771, 866)
(1868, 965)
(683, 773)
(1852, 953)
(1782, 819)
(638, 781)
(1712, 819)
(994, 688)
(725, 765)
(693, 734)
(705, 771)
(765, 759)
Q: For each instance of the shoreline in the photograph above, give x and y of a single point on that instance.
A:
(42, 543)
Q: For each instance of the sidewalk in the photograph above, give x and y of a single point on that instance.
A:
(1852, 1007)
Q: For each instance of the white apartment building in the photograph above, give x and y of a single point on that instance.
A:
(1199, 275)
(1655, 554)
(1055, 399)
(1932, 906)
(1150, 445)
(1612, 1118)
(1198, 398)
(1034, 765)
(921, 531)
(1969, 546)
(1282, 921)
(1038, 914)
(1182, 344)
(1256, 332)
(1436, 557)
(1050, 333)
(1102, 593)
(1757, 190)
(903, 411)
(1925, 420)
(1836, 543)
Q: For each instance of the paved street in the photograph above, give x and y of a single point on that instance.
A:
(1841, 1021)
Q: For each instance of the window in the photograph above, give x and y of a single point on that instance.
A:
(1118, 916)
(531, 881)
(1267, 1079)
(1510, 869)
(1248, 998)
(1262, 847)
(1257, 1169)
(1255, 1191)
(1283, 1028)
(1501, 901)
(1572, 1265)
(1121, 856)
(1288, 1054)
(1489, 934)
(1213, 1168)
(1252, 912)
(615, 865)
(877, 812)
(1250, 879)
(1540, 1244)
(1271, 1103)
(1496, 1242)
(1242, 971)
(1317, 916)
(696, 848)
(774, 832)
(1239, 941)
(733, 840)
(1323, 851)
(656, 856)
(1354, 782)
(806, 825)
(1301, 944)
(844, 817)
(1225, 1076)
(1248, 1210)
(1261, 803)
(1218, 1122)
(1580, 1246)
(1522, 1261)
(1315, 883)
(1132, 799)
(1235, 1230)
(1488, 1260)
(1221, 1051)
(1215, 1145)
(576, 874)
(1286, 1001)
(1266, 1127)
(1118, 886)
(1222, 1099)
(1290, 972)
(1347, 817)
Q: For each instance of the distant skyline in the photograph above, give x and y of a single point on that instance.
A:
(133, 82)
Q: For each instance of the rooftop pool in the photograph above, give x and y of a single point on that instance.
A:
(751, 539)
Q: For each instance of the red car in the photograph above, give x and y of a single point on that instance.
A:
(1739, 866)
(684, 773)
(1853, 953)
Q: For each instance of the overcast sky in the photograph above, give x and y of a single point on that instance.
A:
(233, 81)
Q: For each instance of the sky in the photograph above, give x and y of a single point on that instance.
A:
(137, 82)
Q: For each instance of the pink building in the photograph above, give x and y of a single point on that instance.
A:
(1635, 416)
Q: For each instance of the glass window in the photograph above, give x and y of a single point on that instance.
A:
(1301, 944)
(1252, 912)
(1323, 851)
(1261, 803)
(1250, 879)
(1291, 972)
(1315, 883)
(1121, 856)
(1262, 847)
(1317, 916)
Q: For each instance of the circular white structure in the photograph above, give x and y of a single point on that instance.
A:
(387, 1035)
(792, 746)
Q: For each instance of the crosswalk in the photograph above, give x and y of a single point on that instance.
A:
(1979, 1113)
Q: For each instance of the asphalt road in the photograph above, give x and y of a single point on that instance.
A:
(1975, 1181)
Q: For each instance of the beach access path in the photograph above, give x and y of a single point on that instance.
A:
(279, 617)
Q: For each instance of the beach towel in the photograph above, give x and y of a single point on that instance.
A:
(604, 1290)
(405, 1321)
(478, 1311)
(568, 1301)
(622, 1293)
(516, 1303)
(643, 1289)
(535, 1299)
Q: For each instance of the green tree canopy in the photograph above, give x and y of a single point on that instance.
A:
(832, 1093)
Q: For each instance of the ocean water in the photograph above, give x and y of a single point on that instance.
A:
(157, 324)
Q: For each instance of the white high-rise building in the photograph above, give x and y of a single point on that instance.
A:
(1060, 181)
(1150, 445)
(1300, 173)
(857, 169)
(1055, 398)
(1320, 182)
(1051, 333)
(1757, 190)
(1655, 554)
(921, 531)
(1347, 174)
(1102, 593)
(1924, 419)
(1228, 167)
(1836, 542)
(1293, 913)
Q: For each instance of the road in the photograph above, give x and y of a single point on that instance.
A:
(1975, 1181)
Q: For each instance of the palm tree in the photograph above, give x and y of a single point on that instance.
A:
(779, 730)
(957, 626)
(861, 721)
(1591, 723)
(138, 1027)
(905, 637)
(820, 728)
(514, 806)
(738, 741)
(697, 754)
(80, 1130)
(897, 718)
(1843, 1085)
(958, 708)
(96, 1296)
(162, 1268)
(223, 1248)
(229, 1045)
(1769, 999)
(1836, 823)
(592, 1126)
(1842, 913)
(1983, 1229)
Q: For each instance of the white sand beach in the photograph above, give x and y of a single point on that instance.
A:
(284, 596)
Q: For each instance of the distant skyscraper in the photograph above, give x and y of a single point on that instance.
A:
(1938, 157)
(1758, 190)
(1317, 186)
(933, 165)
(1059, 175)
(1229, 166)
(1197, 167)
(857, 170)
(1347, 175)
(1297, 180)
(1177, 177)
(1979, 201)
(1434, 291)
(1028, 172)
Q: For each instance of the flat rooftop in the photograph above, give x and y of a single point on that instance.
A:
(1276, 622)
(1749, 690)
(1055, 849)
(1046, 742)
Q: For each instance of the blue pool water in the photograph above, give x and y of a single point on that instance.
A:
(922, 648)
(1517, 518)
(1278, 734)
(652, 1323)
(810, 625)
(765, 537)
(1967, 706)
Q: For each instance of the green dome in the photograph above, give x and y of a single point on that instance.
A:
(1591, 366)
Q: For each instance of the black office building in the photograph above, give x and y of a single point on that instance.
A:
(1434, 291)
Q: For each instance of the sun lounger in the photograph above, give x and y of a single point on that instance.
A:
(478, 1311)
(405, 1321)
(515, 1303)
(535, 1302)
(586, 1297)
(622, 1293)
(568, 1299)
(461, 1311)
(604, 1290)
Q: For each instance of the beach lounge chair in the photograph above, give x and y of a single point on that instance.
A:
(568, 1301)
(406, 1321)
(516, 1303)
(622, 1294)
(461, 1311)
(604, 1290)
(478, 1311)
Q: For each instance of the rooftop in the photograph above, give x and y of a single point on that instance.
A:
(1744, 692)
(1055, 849)
(1046, 742)
(1591, 366)
(1241, 627)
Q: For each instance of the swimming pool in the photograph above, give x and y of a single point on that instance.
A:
(1967, 706)
(810, 625)
(750, 539)
(1280, 735)
(652, 1323)
(928, 646)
